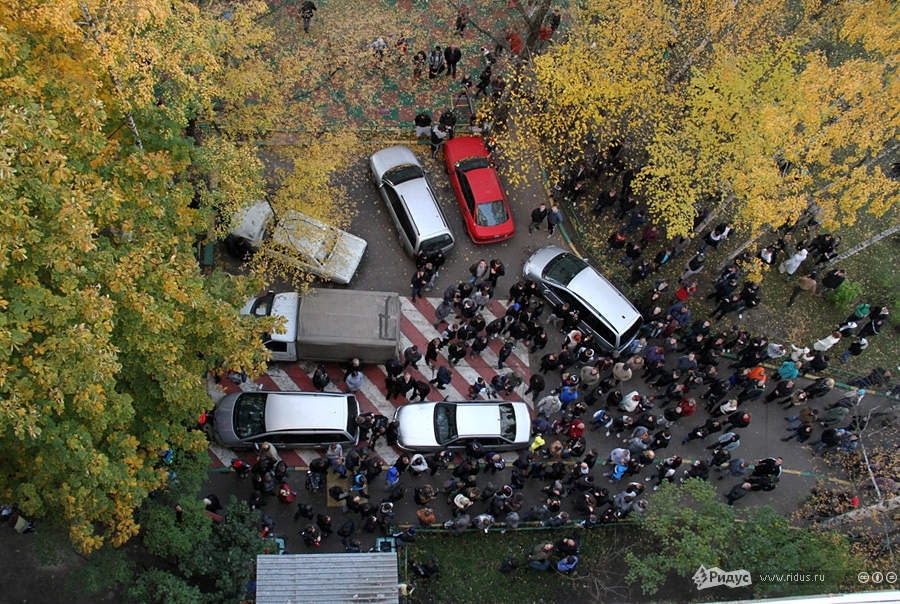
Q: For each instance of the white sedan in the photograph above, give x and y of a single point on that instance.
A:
(500, 425)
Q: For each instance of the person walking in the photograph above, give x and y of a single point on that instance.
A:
(554, 219)
(307, 10)
(538, 215)
(807, 283)
(855, 349)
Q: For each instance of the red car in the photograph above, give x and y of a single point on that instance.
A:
(478, 190)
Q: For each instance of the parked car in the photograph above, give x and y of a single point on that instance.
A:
(410, 200)
(297, 239)
(603, 310)
(497, 425)
(478, 190)
(285, 419)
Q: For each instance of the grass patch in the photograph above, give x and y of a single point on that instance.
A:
(470, 567)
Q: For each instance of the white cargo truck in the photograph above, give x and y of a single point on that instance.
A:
(331, 324)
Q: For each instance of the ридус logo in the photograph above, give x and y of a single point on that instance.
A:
(714, 577)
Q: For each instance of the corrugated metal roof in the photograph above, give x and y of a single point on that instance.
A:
(323, 578)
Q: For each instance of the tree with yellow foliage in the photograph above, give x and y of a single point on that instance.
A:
(760, 108)
(108, 328)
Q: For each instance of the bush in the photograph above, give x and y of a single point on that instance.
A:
(845, 297)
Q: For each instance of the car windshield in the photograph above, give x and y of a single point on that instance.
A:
(401, 174)
(445, 423)
(507, 421)
(563, 268)
(491, 213)
(473, 163)
(435, 244)
(250, 414)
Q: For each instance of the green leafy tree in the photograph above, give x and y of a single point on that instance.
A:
(158, 586)
(813, 562)
(108, 327)
(685, 527)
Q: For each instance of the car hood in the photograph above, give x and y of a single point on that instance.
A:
(223, 420)
(417, 426)
(384, 160)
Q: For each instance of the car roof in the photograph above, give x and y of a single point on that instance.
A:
(593, 288)
(324, 250)
(600, 294)
(484, 184)
(306, 411)
(473, 419)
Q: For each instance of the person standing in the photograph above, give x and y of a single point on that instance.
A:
(307, 10)
(438, 136)
(412, 356)
(418, 283)
(354, 380)
(855, 349)
(495, 271)
(504, 353)
(484, 80)
(452, 56)
(807, 283)
(538, 215)
(423, 124)
(553, 20)
(833, 280)
(791, 265)
(478, 271)
(436, 63)
(554, 218)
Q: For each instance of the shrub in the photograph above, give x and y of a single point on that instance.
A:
(846, 296)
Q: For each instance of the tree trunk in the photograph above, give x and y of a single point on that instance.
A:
(864, 244)
(741, 248)
(698, 50)
(90, 27)
(863, 513)
(534, 18)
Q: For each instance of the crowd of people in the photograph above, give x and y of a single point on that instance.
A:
(677, 369)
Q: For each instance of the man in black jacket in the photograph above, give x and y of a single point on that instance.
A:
(452, 55)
